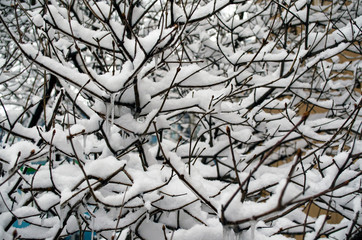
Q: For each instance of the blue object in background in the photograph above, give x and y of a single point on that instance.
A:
(23, 224)
(86, 236)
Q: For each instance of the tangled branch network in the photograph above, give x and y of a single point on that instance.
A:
(180, 119)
